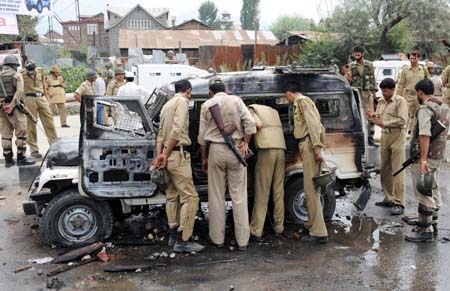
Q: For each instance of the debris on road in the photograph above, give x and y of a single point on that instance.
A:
(2, 197)
(217, 262)
(136, 242)
(86, 257)
(128, 268)
(23, 268)
(75, 254)
(54, 283)
(40, 261)
(62, 268)
(445, 240)
(172, 255)
(102, 255)
(12, 220)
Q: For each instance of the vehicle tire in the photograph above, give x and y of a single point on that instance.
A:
(39, 7)
(295, 202)
(72, 220)
(29, 7)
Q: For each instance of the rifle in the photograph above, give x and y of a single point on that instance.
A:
(21, 107)
(217, 117)
(437, 129)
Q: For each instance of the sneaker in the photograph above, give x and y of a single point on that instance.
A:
(187, 247)
(397, 210)
(36, 155)
(65, 125)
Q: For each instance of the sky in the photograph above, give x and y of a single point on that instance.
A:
(187, 9)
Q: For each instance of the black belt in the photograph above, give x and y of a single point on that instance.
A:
(302, 139)
(181, 148)
(34, 94)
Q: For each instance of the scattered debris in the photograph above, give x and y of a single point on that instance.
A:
(128, 268)
(34, 226)
(23, 268)
(12, 220)
(62, 268)
(172, 255)
(150, 236)
(413, 267)
(19, 193)
(164, 255)
(86, 257)
(102, 255)
(75, 254)
(196, 238)
(40, 272)
(40, 261)
(218, 262)
(149, 258)
(54, 283)
(138, 270)
(444, 240)
(137, 242)
(148, 226)
(2, 197)
(156, 255)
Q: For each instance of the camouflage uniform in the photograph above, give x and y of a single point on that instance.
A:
(446, 82)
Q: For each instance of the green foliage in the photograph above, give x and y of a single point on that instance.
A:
(73, 76)
(207, 13)
(63, 53)
(27, 30)
(250, 14)
(284, 24)
(323, 53)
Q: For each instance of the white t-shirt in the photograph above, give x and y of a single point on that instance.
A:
(131, 89)
(99, 86)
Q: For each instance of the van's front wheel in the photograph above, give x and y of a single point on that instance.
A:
(295, 202)
(72, 220)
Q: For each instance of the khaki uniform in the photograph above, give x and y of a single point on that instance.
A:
(363, 77)
(86, 88)
(113, 87)
(224, 168)
(408, 79)
(446, 82)
(394, 115)
(180, 189)
(39, 107)
(16, 121)
(57, 97)
(437, 82)
(269, 168)
(311, 133)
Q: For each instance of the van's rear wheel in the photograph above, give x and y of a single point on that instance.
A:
(72, 220)
(295, 202)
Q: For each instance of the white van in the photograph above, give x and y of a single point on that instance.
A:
(387, 69)
(151, 76)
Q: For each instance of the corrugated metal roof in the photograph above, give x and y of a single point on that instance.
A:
(122, 11)
(169, 39)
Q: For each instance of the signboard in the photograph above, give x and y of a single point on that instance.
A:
(8, 24)
(26, 7)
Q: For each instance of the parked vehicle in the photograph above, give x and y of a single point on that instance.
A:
(37, 4)
(85, 184)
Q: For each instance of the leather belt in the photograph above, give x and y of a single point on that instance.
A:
(389, 130)
(34, 94)
(302, 139)
(181, 149)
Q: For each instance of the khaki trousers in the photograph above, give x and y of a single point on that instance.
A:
(62, 112)
(392, 153)
(311, 168)
(269, 174)
(17, 121)
(181, 191)
(40, 108)
(434, 202)
(413, 106)
(223, 166)
(367, 103)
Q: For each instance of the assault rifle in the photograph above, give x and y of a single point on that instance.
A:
(21, 107)
(227, 136)
(437, 129)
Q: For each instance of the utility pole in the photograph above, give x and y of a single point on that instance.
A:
(50, 28)
(77, 12)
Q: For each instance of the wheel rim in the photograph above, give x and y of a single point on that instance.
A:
(39, 7)
(299, 206)
(77, 223)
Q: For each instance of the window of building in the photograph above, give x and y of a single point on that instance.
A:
(74, 27)
(91, 28)
(139, 24)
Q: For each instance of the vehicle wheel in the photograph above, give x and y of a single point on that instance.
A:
(295, 202)
(73, 220)
(29, 7)
(39, 7)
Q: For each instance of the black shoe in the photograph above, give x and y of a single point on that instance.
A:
(420, 236)
(219, 246)
(314, 239)
(257, 239)
(9, 163)
(397, 210)
(65, 125)
(435, 229)
(303, 230)
(385, 203)
(24, 161)
(281, 235)
(36, 155)
(172, 237)
(242, 248)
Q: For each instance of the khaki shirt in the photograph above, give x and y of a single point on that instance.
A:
(57, 92)
(269, 130)
(393, 113)
(307, 121)
(437, 82)
(446, 77)
(113, 87)
(409, 78)
(174, 121)
(35, 83)
(234, 114)
(86, 88)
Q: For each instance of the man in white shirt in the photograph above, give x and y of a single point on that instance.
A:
(131, 89)
(99, 85)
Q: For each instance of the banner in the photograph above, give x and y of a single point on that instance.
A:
(8, 24)
(26, 7)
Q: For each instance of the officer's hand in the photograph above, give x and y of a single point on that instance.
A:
(370, 113)
(243, 148)
(205, 166)
(319, 156)
(160, 161)
(424, 168)
(8, 108)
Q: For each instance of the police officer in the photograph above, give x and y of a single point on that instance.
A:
(37, 102)
(173, 154)
(391, 115)
(57, 92)
(114, 85)
(408, 79)
(426, 170)
(310, 133)
(222, 165)
(446, 83)
(11, 91)
(269, 169)
(435, 78)
(87, 87)
(363, 77)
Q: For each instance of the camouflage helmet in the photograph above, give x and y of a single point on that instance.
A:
(425, 184)
(109, 74)
(10, 60)
(158, 176)
(326, 178)
(119, 70)
(429, 64)
(91, 74)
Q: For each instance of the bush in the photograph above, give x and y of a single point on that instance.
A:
(73, 77)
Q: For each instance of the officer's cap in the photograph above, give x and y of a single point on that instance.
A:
(91, 74)
(214, 81)
(119, 70)
(429, 64)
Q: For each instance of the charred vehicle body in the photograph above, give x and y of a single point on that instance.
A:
(84, 184)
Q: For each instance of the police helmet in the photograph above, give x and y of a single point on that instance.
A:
(425, 184)
(119, 70)
(30, 65)
(109, 74)
(91, 74)
(429, 64)
(10, 60)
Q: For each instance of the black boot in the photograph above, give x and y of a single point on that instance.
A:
(172, 237)
(186, 246)
(420, 236)
(24, 161)
(9, 161)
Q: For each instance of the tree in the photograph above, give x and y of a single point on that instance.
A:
(323, 53)
(284, 24)
(27, 30)
(250, 14)
(207, 13)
